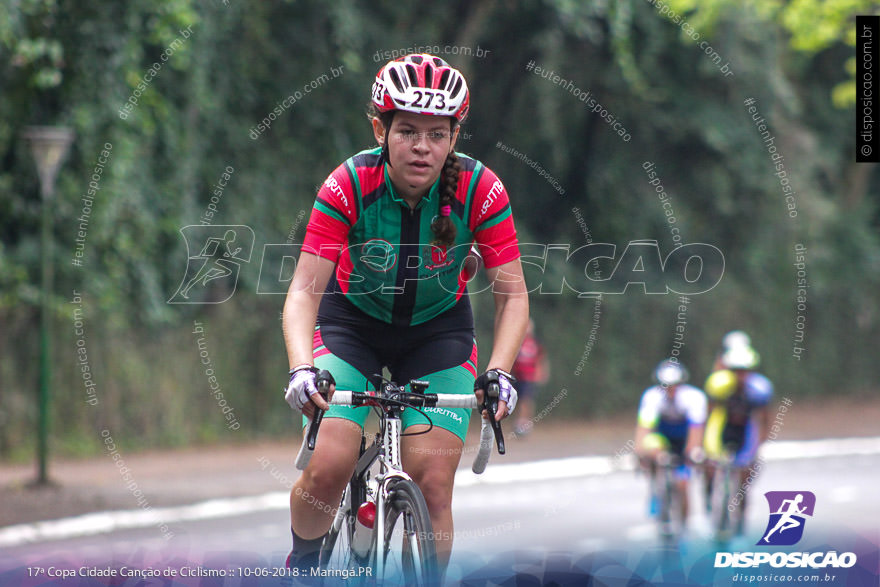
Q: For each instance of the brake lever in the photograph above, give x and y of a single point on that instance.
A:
(322, 382)
(490, 404)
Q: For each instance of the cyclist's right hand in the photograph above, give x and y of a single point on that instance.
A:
(302, 393)
(696, 456)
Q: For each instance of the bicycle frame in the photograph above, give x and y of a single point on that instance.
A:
(667, 464)
(386, 449)
(724, 476)
(390, 468)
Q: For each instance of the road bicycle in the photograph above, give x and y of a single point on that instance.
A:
(400, 544)
(725, 477)
(670, 512)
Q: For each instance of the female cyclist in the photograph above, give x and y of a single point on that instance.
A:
(381, 282)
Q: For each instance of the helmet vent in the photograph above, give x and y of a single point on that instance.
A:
(413, 76)
(456, 88)
(395, 78)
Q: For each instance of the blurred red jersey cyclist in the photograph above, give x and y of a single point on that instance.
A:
(531, 370)
(381, 282)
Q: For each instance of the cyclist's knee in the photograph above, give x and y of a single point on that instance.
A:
(335, 455)
(325, 478)
(436, 486)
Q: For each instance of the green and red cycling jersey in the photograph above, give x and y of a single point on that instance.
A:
(386, 264)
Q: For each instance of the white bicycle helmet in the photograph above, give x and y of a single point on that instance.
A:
(423, 84)
(740, 357)
(736, 338)
(670, 373)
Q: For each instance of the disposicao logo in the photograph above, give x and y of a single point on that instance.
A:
(787, 517)
(788, 514)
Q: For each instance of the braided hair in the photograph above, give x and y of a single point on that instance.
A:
(443, 228)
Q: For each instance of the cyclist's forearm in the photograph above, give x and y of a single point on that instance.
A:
(765, 421)
(694, 438)
(639, 439)
(298, 324)
(511, 321)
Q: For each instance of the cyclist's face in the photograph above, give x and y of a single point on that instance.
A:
(417, 145)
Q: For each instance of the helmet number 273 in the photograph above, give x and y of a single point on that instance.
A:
(427, 96)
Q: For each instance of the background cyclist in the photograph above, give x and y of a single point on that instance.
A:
(380, 284)
(670, 421)
(531, 370)
(733, 339)
(739, 419)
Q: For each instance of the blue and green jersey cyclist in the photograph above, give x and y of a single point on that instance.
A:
(671, 418)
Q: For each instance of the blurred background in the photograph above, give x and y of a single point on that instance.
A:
(224, 66)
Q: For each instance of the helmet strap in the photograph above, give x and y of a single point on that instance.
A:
(386, 155)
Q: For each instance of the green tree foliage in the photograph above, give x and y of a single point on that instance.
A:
(224, 66)
(809, 26)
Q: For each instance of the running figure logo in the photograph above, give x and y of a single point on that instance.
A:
(222, 249)
(787, 511)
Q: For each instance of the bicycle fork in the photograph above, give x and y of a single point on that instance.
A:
(391, 470)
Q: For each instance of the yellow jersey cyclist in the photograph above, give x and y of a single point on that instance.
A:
(381, 283)
(739, 419)
(670, 422)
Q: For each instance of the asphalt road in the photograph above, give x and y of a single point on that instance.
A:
(565, 508)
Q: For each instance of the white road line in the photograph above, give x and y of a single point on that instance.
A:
(535, 471)
(595, 465)
(102, 522)
(591, 544)
(845, 494)
(641, 533)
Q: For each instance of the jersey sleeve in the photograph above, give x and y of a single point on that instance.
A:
(696, 406)
(649, 409)
(759, 390)
(491, 221)
(720, 385)
(333, 215)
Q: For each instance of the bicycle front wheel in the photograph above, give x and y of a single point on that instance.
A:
(336, 551)
(408, 551)
(721, 504)
(670, 510)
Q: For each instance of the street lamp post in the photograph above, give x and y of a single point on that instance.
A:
(49, 145)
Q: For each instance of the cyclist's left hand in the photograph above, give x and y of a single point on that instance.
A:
(507, 395)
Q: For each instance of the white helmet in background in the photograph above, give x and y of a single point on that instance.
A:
(740, 357)
(736, 338)
(670, 373)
